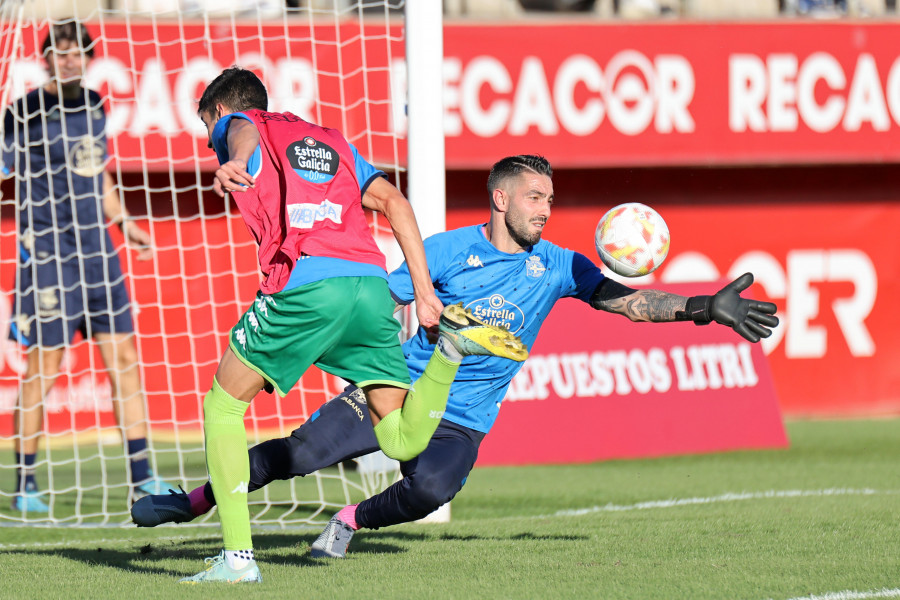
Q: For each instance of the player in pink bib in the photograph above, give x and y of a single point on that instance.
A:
(302, 191)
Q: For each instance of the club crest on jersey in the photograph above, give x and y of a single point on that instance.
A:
(86, 157)
(534, 267)
(304, 216)
(313, 160)
(497, 310)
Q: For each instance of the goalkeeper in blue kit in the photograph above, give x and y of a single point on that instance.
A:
(502, 271)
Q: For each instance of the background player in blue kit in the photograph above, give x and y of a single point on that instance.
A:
(69, 278)
(500, 269)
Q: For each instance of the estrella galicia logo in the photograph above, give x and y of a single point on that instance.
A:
(313, 160)
(497, 310)
(534, 267)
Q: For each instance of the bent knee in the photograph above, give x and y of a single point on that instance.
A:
(427, 494)
(403, 452)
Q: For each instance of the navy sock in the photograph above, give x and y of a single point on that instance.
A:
(25, 472)
(140, 466)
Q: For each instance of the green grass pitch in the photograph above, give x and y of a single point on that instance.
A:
(819, 520)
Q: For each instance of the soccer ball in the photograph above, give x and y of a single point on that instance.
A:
(632, 239)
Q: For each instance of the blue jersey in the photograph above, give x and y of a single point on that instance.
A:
(57, 152)
(513, 290)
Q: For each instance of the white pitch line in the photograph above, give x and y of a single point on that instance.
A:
(726, 497)
(735, 497)
(851, 595)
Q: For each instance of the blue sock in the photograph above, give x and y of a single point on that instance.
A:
(25, 472)
(137, 454)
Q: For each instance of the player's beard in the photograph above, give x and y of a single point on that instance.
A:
(520, 230)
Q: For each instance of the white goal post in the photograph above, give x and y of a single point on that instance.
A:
(370, 68)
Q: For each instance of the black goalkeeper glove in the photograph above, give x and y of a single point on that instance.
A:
(750, 318)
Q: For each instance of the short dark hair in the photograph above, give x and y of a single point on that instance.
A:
(238, 89)
(515, 165)
(69, 30)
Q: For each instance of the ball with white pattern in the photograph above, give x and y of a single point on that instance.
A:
(632, 239)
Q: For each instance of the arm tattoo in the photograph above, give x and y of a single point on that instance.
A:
(654, 306)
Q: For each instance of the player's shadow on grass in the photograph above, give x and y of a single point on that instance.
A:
(155, 558)
(381, 542)
(168, 557)
(517, 537)
(371, 542)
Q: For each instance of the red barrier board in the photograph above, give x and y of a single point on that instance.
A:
(583, 94)
(597, 386)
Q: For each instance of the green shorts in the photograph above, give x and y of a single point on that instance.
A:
(344, 325)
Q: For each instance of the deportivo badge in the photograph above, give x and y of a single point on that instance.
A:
(87, 157)
(534, 267)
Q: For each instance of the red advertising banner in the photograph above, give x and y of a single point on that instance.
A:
(597, 386)
(582, 94)
(622, 94)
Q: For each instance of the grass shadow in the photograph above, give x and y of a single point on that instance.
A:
(159, 557)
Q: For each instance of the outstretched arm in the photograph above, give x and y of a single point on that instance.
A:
(751, 319)
(383, 197)
(654, 306)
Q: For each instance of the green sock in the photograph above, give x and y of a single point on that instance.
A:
(228, 464)
(402, 434)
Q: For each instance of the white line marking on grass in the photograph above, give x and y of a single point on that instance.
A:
(851, 595)
(726, 497)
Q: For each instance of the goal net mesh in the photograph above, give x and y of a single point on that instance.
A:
(338, 63)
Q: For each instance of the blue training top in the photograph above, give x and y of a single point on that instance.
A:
(57, 152)
(309, 268)
(513, 290)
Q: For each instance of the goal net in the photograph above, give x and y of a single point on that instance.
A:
(339, 63)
